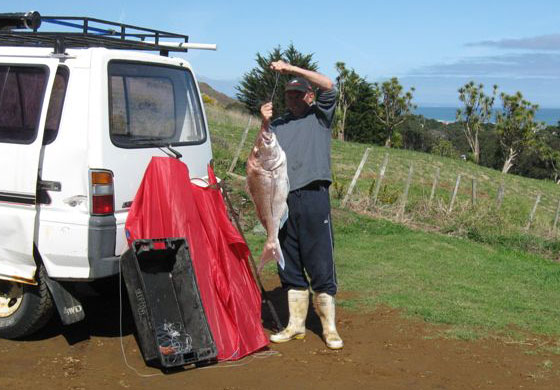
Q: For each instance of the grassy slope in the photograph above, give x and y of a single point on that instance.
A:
(484, 223)
(441, 278)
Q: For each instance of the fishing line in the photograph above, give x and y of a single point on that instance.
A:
(275, 85)
(245, 361)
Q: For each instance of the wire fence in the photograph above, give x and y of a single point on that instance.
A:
(451, 195)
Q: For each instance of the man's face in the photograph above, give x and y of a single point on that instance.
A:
(298, 102)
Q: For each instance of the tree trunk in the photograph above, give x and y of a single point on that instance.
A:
(509, 161)
(343, 124)
(476, 152)
(472, 139)
(388, 141)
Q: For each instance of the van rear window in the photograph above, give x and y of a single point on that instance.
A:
(153, 105)
(22, 89)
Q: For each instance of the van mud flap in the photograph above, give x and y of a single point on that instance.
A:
(69, 308)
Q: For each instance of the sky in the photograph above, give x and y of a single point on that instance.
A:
(435, 46)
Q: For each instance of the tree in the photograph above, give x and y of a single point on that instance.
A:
(391, 106)
(477, 112)
(257, 85)
(348, 83)
(417, 134)
(361, 123)
(549, 152)
(542, 160)
(516, 126)
(445, 148)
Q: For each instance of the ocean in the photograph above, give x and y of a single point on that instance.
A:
(550, 116)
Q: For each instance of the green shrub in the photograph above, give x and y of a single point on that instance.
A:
(445, 148)
(339, 189)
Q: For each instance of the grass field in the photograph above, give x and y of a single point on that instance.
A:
(476, 269)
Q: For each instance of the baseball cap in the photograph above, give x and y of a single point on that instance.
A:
(298, 84)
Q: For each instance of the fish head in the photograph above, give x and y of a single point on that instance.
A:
(267, 150)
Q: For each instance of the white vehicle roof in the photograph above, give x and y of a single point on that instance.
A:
(87, 54)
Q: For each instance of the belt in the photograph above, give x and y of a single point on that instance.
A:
(316, 185)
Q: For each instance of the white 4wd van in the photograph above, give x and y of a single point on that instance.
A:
(81, 115)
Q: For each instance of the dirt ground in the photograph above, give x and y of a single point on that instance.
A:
(383, 350)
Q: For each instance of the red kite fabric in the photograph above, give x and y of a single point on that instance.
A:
(166, 205)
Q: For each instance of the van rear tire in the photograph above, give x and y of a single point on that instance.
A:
(24, 308)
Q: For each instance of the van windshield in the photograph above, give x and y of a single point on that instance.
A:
(153, 105)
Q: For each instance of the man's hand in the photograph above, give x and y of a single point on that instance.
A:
(281, 67)
(266, 113)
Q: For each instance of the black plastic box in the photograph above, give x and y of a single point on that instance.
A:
(170, 321)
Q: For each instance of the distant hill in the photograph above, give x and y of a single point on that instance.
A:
(222, 99)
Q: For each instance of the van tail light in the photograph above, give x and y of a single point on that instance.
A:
(102, 192)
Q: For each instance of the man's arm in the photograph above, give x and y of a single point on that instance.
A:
(316, 79)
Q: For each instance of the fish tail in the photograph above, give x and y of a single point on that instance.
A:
(272, 251)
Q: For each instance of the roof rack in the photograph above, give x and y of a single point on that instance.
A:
(22, 29)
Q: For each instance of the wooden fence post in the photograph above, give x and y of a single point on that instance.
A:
(454, 193)
(556, 218)
(240, 147)
(473, 191)
(355, 179)
(400, 213)
(434, 186)
(533, 211)
(380, 179)
(500, 196)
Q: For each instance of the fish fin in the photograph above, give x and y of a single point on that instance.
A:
(284, 217)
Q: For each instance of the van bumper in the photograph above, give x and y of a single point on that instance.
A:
(102, 231)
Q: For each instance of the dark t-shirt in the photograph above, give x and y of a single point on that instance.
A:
(307, 141)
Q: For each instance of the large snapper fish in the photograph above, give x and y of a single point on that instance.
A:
(268, 185)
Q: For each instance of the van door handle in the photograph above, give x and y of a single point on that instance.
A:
(45, 185)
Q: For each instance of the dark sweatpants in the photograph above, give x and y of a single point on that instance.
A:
(307, 242)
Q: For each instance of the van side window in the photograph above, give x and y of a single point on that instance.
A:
(21, 97)
(153, 105)
(56, 102)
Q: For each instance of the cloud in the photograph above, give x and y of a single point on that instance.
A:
(531, 65)
(542, 42)
(442, 91)
(525, 65)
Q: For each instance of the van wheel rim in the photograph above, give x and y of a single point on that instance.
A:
(11, 295)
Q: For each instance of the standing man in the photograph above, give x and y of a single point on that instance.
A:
(304, 133)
